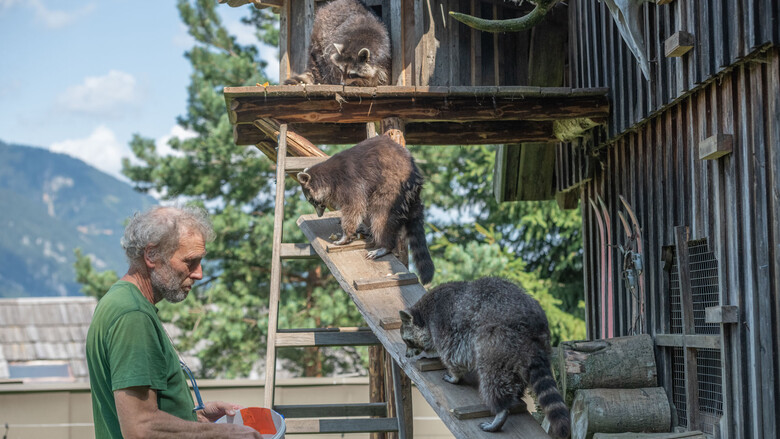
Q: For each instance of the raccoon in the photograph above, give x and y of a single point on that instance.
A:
(349, 46)
(494, 328)
(376, 182)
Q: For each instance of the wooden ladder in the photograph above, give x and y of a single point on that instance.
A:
(277, 338)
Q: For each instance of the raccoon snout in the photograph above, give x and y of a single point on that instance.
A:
(412, 352)
(320, 210)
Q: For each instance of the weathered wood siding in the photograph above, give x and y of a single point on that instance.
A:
(733, 201)
(430, 48)
(724, 31)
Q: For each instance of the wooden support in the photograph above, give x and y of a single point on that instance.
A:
(678, 44)
(298, 146)
(427, 364)
(390, 323)
(620, 362)
(325, 337)
(354, 245)
(482, 411)
(721, 314)
(681, 238)
(692, 341)
(391, 280)
(715, 147)
(620, 410)
(376, 381)
(332, 410)
(297, 251)
(301, 426)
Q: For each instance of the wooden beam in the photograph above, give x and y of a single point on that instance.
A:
(715, 147)
(391, 280)
(297, 251)
(698, 341)
(332, 410)
(300, 426)
(681, 238)
(314, 337)
(298, 164)
(247, 104)
(678, 44)
(722, 314)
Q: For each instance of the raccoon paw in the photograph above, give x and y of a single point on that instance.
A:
(497, 422)
(451, 379)
(345, 239)
(378, 253)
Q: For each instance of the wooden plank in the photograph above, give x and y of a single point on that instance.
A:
(297, 251)
(354, 245)
(698, 341)
(721, 314)
(332, 410)
(683, 435)
(377, 304)
(426, 364)
(482, 411)
(389, 280)
(390, 323)
(298, 164)
(681, 239)
(678, 44)
(317, 338)
(396, 42)
(301, 426)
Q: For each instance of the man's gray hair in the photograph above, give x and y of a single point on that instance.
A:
(159, 229)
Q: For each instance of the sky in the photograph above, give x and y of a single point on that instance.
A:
(81, 77)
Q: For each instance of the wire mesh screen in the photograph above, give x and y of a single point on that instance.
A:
(675, 302)
(708, 372)
(704, 284)
(678, 386)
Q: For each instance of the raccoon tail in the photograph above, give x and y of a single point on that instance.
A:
(422, 258)
(548, 396)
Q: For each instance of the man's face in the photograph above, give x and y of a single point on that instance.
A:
(172, 280)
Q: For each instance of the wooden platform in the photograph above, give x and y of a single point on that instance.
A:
(335, 114)
(380, 307)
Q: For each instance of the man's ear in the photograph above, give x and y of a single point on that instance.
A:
(150, 255)
(406, 317)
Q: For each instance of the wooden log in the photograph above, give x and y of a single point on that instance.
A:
(619, 411)
(715, 146)
(621, 362)
(678, 44)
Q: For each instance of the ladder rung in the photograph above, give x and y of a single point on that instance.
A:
(297, 251)
(327, 337)
(332, 410)
(482, 411)
(298, 164)
(297, 426)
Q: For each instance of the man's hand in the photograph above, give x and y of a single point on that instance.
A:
(217, 409)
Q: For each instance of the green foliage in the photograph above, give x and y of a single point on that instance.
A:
(533, 243)
(93, 283)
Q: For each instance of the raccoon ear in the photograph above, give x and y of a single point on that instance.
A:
(364, 55)
(406, 317)
(339, 47)
(304, 178)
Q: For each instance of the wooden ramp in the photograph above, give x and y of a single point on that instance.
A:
(377, 288)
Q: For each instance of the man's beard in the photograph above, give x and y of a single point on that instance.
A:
(166, 285)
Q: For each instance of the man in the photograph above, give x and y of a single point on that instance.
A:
(138, 387)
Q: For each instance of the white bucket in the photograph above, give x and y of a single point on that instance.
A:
(277, 418)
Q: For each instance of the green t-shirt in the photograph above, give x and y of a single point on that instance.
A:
(127, 347)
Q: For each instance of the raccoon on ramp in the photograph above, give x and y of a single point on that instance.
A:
(349, 45)
(494, 328)
(375, 183)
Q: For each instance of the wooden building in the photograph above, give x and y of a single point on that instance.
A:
(693, 148)
(683, 163)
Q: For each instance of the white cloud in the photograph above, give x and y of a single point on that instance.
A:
(176, 131)
(244, 33)
(100, 149)
(105, 95)
(53, 19)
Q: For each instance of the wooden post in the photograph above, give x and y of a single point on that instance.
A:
(620, 362)
(681, 238)
(376, 379)
(620, 410)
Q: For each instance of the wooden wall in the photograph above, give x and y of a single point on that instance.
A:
(724, 32)
(733, 201)
(429, 48)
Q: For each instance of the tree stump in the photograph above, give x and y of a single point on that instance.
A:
(621, 362)
(620, 411)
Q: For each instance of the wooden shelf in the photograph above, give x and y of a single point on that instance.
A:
(382, 304)
(432, 115)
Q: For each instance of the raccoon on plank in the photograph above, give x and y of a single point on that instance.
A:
(493, 327)
(349, 46)
(377, 185)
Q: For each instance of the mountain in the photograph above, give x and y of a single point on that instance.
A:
(51, 204)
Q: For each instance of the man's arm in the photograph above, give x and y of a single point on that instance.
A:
(139, 417)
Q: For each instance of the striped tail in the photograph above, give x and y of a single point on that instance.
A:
(549, 397)
(420, 254)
